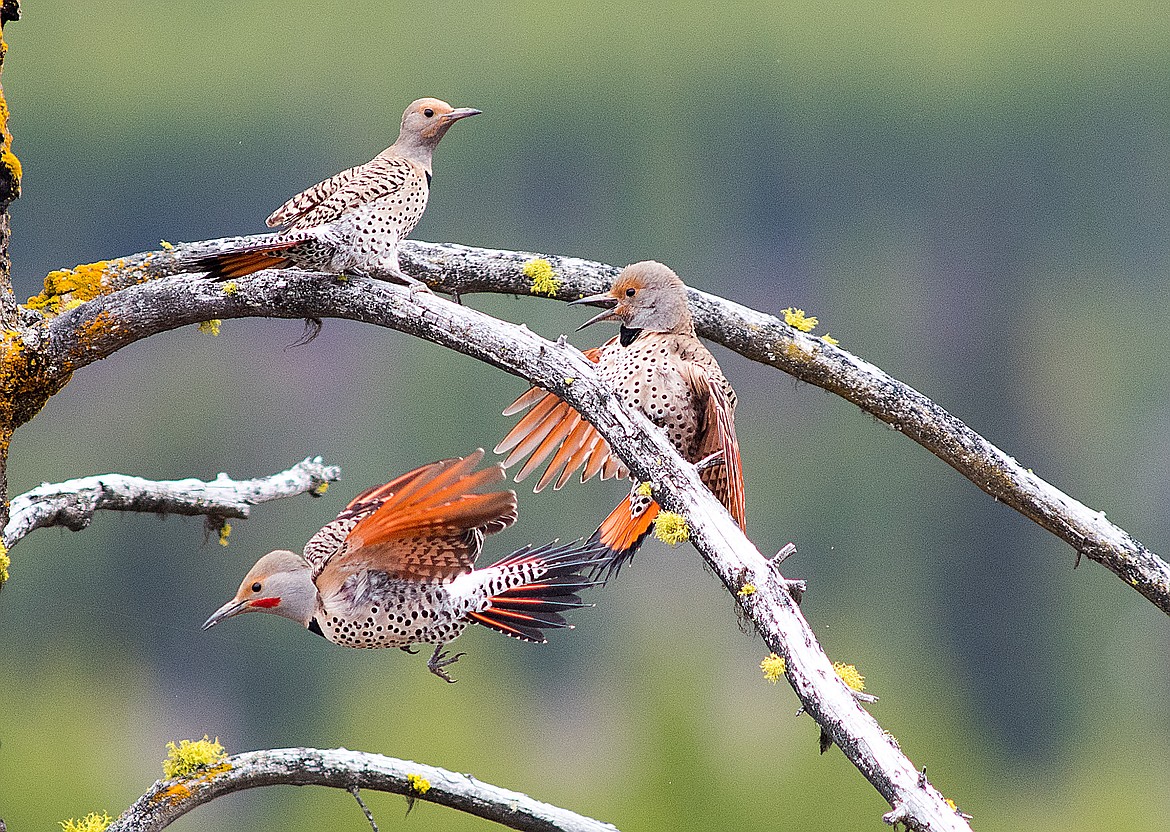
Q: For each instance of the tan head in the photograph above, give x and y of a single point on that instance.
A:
(279, 583)
(424, 123)
(646, 295)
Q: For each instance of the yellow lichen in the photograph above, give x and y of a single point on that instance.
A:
(796, 318)
(230, 288)
(746, 590)
(189, 757)
(671, 528)
(418, 783)
(850, 675)
(544, 280)
(320, 489)
(830, 340)
(166, 246)
(569, 379)
(81, 283)
(225, 532)
(773, 667)
(644, 489)
(9, 160)
(951, 804)
(93, 822)
(210, 327)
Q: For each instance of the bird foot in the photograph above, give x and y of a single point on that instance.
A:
(416, 285)
(440, 660)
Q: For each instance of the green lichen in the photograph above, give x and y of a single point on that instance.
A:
(192, 757)
(93, 822)
(225, 532)
(644, 489)
(210, 327)
(671, 528)
(5, 562)
(230, 288)
(544, 281)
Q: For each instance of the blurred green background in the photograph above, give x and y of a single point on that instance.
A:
(972, 197)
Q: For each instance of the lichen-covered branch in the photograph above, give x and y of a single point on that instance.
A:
(755, 335)
(73, 503)
(97, 328)
(339, 768)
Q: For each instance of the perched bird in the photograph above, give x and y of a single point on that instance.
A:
(658, 364)
(396, 568)
(352, 222)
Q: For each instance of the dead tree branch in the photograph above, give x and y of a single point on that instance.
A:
(339, 768)
(108, 322)
(768, 340)
(73, 503)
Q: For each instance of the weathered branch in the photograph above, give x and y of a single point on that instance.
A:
(109, 322)
(339, 768)
(767, 339)
(73, 503)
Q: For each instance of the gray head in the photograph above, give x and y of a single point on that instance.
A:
(279, 583)
(424, 124)
(646, 295)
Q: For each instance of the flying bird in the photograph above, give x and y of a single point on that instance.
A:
(396, 568)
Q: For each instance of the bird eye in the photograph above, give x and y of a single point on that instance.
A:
(428, 112)
(630, 292)
(256, 587)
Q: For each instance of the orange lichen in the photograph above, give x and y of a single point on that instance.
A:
(175, 793)
(24, 384)
(84, 282)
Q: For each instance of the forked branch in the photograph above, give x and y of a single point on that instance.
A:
(109, 322)
(767, 339)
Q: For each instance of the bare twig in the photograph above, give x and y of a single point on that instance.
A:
(768, 340)
(340, 768)
(356, 791)
(72, 504)
(112, 321)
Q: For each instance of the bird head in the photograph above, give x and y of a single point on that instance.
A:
(426, 120)
(279, 583)
(646, 295)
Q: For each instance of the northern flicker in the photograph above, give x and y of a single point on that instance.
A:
(396, 568)
(352, 222)
(658, 364)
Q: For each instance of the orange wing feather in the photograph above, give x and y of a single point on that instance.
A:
(431, 526)
(553, 428)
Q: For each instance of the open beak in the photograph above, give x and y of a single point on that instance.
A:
(461, 112)
(605, 299)
(232, 607)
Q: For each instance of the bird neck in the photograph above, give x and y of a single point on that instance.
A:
(414, 149)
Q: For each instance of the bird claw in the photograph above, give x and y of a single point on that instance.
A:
(408, 649)
(440, 660)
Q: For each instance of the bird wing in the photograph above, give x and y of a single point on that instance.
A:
(551, 425)
(717, 433)
(328, 200)
(426, 525)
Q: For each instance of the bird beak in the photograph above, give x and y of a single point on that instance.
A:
(605, 299)
(232, 607)
(461, 112)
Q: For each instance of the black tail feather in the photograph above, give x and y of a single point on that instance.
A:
(525, 611)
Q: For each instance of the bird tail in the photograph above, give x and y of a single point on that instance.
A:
(622, 532)
(241, 262)
(559, 572)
